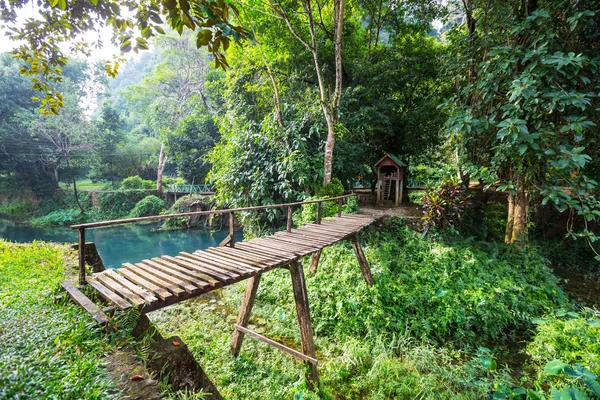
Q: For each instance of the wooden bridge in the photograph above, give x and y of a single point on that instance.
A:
(162, 281)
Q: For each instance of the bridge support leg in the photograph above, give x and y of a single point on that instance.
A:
(314, 262)
(244, 315)
(362, 260)
(303, 313)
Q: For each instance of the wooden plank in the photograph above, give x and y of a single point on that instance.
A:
(267, 252)
(187, 282)
(106, 279)
(275, 344)
(327, 231)
(271, 248)
(291, 238)
(129, 272)
(247, 254)
(234, 272)
(81, 299)
(326, 237)
(183, 271)
(226, 261)
(299, 246)
(165, 280)
(144, 294)
(223, 253)
(244, 314)
(300, 238)
(108, 295)
(293, 248)
(196, 266)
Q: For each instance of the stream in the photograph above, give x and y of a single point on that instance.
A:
(122, 243)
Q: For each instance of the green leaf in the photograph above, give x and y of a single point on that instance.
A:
(62, 4)
(555, 367)
(522, 149)
(592, 384)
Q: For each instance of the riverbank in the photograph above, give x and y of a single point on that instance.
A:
(120, 244)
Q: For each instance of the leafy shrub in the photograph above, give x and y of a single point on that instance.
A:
(150, 205)
(331, 189)
(571, 337)
(173, 181)
(135, 182)
(19, 207)
(416, 197)
(444, 202)
(182, 205)
(459, 291)
(308, 212)
(62, 218)
(494, 220)
(119, 204)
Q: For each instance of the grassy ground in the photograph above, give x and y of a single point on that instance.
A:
(442, 315)
(423, 331)
(47, 350)
(87, 184)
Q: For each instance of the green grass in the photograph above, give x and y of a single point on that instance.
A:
(423, 331)
(47, 350)
(87, 184)
(416, 334)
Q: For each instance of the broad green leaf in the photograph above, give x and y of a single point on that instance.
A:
(555, 367)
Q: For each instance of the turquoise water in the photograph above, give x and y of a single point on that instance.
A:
(122, 243)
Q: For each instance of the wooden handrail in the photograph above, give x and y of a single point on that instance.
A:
(225, 211)
(229, 240)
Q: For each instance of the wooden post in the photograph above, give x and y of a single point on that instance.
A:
(378, 185)
(401, 189)
(303, 313)
(81, 235)
(289, 219)
(397, 189)
(362, 261)
(339, 207)
(319, 210)
(314, 262)
(244, 314)
(231, 229)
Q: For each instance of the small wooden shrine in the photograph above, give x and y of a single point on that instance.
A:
(390, 176)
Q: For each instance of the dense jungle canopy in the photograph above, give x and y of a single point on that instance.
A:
(270, 100)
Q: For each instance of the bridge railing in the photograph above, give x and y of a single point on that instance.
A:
(229, 240)
(203, 188)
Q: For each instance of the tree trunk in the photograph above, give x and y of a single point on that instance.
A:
(162, 160)
(510, 218)
(75, 188)
(521, 204)
(329, 146)
(518, 204)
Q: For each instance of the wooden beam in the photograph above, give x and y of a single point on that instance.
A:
(319, 212)
(397, 188)
(81, 299)
(303, 314)
(275, 344)
(289, 218)
(81, 237)
(231, 229)
(314, 262)
(362, 260)
(244, 314)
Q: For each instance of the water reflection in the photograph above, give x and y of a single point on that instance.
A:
(125, 243)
